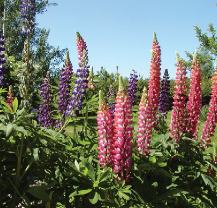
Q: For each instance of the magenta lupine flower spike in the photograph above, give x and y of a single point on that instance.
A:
(178, 120)
(210, 124)
(154, 81)
(145, 125)
(194, 98)
(105, 130)
(121, 145)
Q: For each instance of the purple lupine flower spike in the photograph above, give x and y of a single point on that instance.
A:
(132, 86)
(110, 96)
(163, 100)
(64, 85)
(2, 61)
(75, 103)
(64, 90)
(27, 15)
(45, 116)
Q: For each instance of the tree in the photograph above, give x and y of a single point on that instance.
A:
(205, 59)
(44, 57)
(207, 51)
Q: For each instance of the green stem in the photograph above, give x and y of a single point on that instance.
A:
(19, 159)
(50, 197)
(65, 124)
(86, 119)
(74, 130)
(28, 76)
(27, 168)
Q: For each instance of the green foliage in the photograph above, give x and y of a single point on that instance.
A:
(44, 57)
(204, 112)
(205, 60)
(139, 88)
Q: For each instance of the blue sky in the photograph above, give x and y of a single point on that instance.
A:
(120, 32)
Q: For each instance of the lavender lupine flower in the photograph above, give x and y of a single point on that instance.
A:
(27, 14)
(2, 61)
(163, 100)
(110, 96)
(75, 103)
(132, 86)
(45, 109)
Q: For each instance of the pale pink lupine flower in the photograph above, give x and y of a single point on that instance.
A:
(194, 98)
(121, 145)
(211, 121)
(154, 81)
(105, 130)
(145, 125)
(178, 120)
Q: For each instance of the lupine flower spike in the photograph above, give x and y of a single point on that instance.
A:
(154, 81)
(64, 88)
(132, 86)
(194, 98)
(27, 15)
(45, 116)
(145, 125)
(110, 96)
(164, 94)
(90, 79)
(10, 97)
(178, 120)
(75, 103)
(121, 145)
(105, 130)
(210, 124)
(2, 61)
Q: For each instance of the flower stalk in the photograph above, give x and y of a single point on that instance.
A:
(145, 125)
(121, 144)
(209, 127)
(194, 99)
(178, 120)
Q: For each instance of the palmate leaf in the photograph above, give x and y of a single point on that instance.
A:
(104, 176)
(208, 180)
(15, 104)
(40, 192)
(94, 197)
(9, 129)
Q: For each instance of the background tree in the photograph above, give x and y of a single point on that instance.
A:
(44, 57)
(205, 59)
